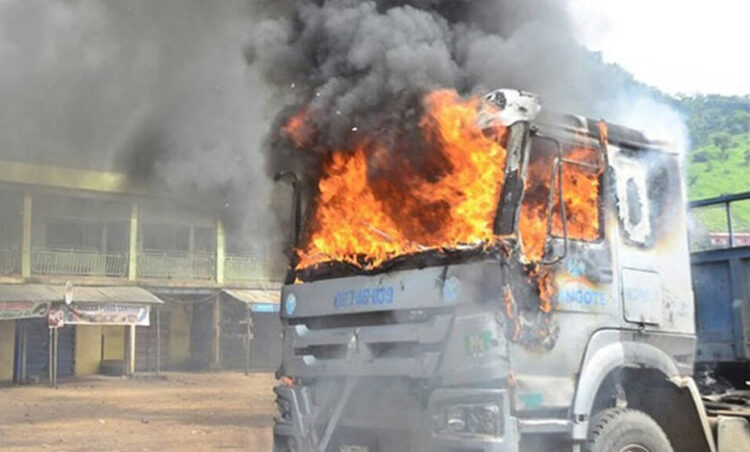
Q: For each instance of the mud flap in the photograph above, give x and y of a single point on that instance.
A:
(688, 385)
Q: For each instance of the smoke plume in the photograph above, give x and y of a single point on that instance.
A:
(159, 90)
(360, 68)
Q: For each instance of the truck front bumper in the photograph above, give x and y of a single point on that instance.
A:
(454, 419)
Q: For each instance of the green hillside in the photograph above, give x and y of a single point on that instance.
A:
(719, 161)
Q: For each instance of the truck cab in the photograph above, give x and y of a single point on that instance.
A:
(572, 329)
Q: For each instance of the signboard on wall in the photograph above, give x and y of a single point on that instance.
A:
(23, 309)
(264, 307)
(107, 314)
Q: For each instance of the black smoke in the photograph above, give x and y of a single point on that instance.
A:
(361, 68)
(159, 90)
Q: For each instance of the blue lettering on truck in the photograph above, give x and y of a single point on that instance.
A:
(363, 297)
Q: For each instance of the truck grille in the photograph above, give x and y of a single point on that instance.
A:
(406, 343)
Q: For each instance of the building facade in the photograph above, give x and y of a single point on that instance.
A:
(91, 237)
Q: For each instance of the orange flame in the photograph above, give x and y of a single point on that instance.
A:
(375, 204)
(603, 132)
(511, 311)
(580, 188)
(580, 195)
(299, 129)
(370, 209)
(545, 284)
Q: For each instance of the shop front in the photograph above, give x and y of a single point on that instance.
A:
(50, 332)
(250, 329)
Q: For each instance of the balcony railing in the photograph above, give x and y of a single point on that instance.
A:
(247, 268)
(170, 265)
(48, 261)
(150, 264)
(10, 261)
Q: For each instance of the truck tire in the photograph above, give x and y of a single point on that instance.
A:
(625, 430)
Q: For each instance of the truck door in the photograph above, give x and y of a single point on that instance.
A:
(640, 289)
(652, 254)
(570, 234)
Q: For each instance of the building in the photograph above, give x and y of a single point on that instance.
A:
(721, 239)
(124, 259)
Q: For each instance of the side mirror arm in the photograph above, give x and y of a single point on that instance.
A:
(291, 177)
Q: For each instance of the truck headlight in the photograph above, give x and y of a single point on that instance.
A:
(481, 419)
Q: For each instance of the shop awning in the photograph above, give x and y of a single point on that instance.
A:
(254, 295)
(13, 293)
(19, 301)
(259, 300)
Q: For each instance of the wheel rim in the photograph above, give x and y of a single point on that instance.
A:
(634, 448)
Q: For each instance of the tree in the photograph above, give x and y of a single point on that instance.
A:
(722, 140)
(700, 156)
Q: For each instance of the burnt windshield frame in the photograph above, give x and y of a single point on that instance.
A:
(511, 194)
(423, 259)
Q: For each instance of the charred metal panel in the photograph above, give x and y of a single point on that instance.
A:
(512, 191)
(583, 280)
(586, 300)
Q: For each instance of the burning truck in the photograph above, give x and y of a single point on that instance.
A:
(521, 282)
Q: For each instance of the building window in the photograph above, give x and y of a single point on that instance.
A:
(73, 234)
(166, 237)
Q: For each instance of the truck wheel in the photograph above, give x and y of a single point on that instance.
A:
(625, 430)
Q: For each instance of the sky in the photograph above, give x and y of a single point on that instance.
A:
(678, 46)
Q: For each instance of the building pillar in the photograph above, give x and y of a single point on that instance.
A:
(133, 243)
(26, 237)
(220, 250)
(129, 357)
(217, 333)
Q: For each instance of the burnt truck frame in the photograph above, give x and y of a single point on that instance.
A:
(418, 356)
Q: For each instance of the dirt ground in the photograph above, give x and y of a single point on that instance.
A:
(183, 412)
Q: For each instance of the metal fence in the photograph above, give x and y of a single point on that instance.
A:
(166, 265)
(47, 261)
(10, 261)
(721, 222)
(247, 268)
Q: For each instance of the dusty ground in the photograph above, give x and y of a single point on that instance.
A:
(184, 412)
